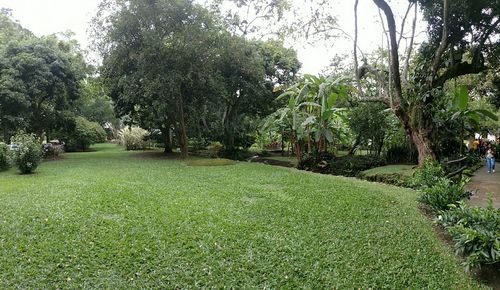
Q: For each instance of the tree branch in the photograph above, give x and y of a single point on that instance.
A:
(410, 47)
(442, 45)
(396, 77)
(356, 65)
(460, 69)
(403, 23)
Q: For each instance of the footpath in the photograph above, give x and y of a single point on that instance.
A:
(483, 183)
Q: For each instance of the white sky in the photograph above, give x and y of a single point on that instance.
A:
(44, 17)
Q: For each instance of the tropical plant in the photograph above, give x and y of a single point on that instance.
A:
(444, 193)
(310, 117)
(476, 232)
(467, 116)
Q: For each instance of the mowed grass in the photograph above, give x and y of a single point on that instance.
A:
(110, 219)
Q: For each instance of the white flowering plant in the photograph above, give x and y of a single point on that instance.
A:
(29, 153)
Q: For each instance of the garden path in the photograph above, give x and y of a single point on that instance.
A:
(482, 183)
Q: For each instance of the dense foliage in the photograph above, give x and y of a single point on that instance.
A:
(186, 75)
(4, 157)
(444, 193)
(476, 232)
(28, 154)
(84, 134)
(350, 165)
(133, 138)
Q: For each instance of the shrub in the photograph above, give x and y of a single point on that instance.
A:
(397, 179)
(476, 232)
(197, 143)
(428, 175)
(52, 151)
(214, 148)
(4, 157)
(350, 165)
(85, 133)
(133, 138)
(401, 154)
(29, 153)
(444, 193)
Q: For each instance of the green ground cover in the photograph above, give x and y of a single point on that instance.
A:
(406, 170)
(114, 220)
(290, 159)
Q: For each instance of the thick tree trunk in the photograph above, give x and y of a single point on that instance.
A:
(167, 139)
(228, 131)
(423, 144)
(419, 132)
(183, 139)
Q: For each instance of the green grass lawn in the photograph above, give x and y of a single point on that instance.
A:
(407, 170)
(115, 220)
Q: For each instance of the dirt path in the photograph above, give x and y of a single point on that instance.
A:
(482, 183)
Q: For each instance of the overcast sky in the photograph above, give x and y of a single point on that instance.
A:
(44, 17)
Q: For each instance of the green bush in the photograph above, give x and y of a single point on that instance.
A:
(444, 193)
(428, 175)
(28, 155)
(50, 150)
(350, 165)
(476, 232)
(397, 179)
(4, 157)
(134, 138)
(85, 133)
(214, 148)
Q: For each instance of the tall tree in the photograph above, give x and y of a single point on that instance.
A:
(40, 78)
(156, 59)
(463, 36)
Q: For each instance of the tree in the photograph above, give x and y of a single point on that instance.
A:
(309, 115)
(369, 122)
(157, 58)
(40, 78)
(187, 72)
(463, 36)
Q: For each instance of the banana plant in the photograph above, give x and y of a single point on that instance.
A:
(310, 111)
(466, 115)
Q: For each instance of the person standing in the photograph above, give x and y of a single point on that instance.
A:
(490, 159)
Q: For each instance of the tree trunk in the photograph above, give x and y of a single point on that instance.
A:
(167, 139)
(228, 131)
(355, 145)
(183, 139)
(423, 144)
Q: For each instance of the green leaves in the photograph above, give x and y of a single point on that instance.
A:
(461, 100)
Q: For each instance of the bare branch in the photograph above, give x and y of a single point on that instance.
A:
(410, 47)
(403, 23)
(356, 65)
(442, 45)
(388, 47)
(396, 77)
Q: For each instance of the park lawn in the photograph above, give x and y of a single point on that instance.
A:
(406, 170)
(115, 220)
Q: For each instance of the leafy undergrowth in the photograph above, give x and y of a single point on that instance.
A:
(399, 175)
(105, 220)
(407, 170)
(209, 162)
